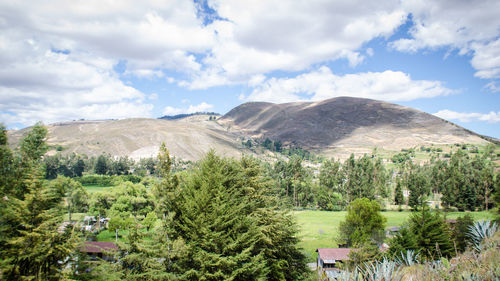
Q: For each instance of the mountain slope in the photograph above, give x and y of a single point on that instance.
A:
(344, 123)
(335, 127)
(189, 138)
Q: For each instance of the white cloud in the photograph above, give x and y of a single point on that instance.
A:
(49, 87)
(202, 107)
(323, 84)
(469, 26)
(492, 117)
(265, 36)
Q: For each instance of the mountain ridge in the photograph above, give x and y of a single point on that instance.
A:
(334, 127)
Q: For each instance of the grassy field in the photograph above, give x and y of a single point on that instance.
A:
(318, 229)
(95, 188)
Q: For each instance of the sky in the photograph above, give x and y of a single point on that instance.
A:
(105, 59)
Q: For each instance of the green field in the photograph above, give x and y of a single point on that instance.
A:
(318, 229)
(96, 188)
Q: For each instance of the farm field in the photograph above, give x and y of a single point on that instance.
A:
(318, 229)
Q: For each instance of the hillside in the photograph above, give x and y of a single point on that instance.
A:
(343, 125)
(188, 138)
(335, 127)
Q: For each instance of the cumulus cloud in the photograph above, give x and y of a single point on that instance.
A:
(469, 26)
(323, 84)
(492, 117)
(52, 86)
(290, 35)
(202, 107)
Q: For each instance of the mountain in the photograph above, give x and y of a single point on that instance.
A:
(343, 125)
(188, 138)
(335, 127)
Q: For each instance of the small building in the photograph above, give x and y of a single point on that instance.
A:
(330, 261)
(99, 250)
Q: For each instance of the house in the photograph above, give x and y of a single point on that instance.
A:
(330, 261)
(101, 250)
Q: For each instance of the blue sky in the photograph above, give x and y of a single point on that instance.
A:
(69, 60)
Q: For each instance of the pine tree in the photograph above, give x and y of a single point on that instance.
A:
(31, 246)
(432, 234)
(398, 194)
(403, 241)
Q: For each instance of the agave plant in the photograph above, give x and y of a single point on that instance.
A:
(479, 231)
(350, 275)
(382, 271)
(407, 258)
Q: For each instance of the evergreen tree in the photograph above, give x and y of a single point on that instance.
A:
(460, 230)
(432, 234)
(32, 246)
(418, 187)
(398, 194)
(101, 167)
(403, 241)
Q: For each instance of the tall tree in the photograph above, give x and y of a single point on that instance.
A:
(432, 233)
(363, 223)
(32, 246)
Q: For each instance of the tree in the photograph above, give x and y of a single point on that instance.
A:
(432, 234)
(460, 230)
(402, 242)
(76, 196)
(218, 223)
(363, 223)
(150, 220)
(101, 166)
(418, 186)
(31, 245)
(398, 194)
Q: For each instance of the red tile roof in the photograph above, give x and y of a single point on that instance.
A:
(98, 247)
(341, 254)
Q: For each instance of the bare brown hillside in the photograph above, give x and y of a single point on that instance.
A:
(344, 125)
(335, 127)
(188, 138)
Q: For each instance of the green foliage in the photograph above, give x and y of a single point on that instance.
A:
(402, 242)
(101, 167)
(363, 223)
(418, 185)
(398, 194)
(460, 230)
(32, 247)
(218, 223)
(431, 233)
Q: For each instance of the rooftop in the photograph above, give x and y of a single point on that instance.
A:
(334, 254)
(98, 247)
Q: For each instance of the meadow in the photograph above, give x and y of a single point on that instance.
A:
(319, 229)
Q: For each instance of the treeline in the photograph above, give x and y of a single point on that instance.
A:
(75, 165)
(463, 181)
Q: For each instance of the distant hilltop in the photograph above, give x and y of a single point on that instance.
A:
(180, 116)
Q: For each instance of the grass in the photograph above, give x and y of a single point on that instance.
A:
(319, 229)
(96, 188)
(109, 236)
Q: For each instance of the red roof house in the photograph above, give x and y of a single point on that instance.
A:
(329, 260)
(99, 249)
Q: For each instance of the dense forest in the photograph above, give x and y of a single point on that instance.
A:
(220, 219)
